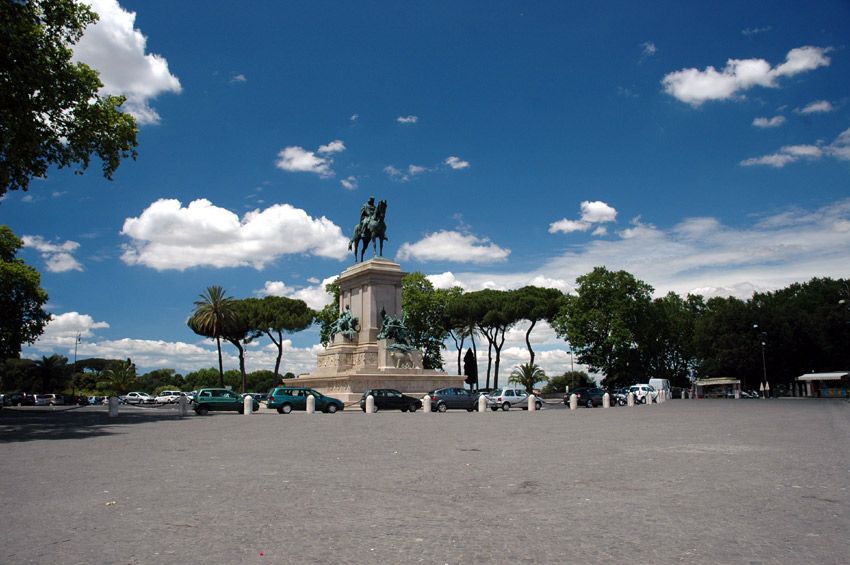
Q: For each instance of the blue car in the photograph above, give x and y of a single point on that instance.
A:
(286, 399)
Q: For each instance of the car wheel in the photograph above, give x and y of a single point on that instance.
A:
(643, 400)
(412, 408)
(284, 409)
(202, 410)
(538, 405)
(494, 408)
(332, 408)
(442, 407)
(589, 403)
(241, 409)
(506, 406)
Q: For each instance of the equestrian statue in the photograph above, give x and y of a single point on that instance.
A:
(371, 229)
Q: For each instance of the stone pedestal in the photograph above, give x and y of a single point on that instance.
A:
(349, 366)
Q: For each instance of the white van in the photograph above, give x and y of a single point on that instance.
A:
(662, 386)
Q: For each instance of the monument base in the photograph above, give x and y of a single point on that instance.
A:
(351, 365)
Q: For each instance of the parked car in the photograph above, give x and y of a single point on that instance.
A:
(642, 392)
(508, 397)
(259, 396)
(19, 399)
(51, 399)
(138, 398)
(391, 399)
(221, 399)
(169, 396)
(619, 396)
(444, 398)
(286, 399)
(586, 396)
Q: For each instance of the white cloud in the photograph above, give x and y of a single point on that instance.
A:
(354, 117)
(755, 30)
(695, 87)
(839, 149)
(296, 159)
(314, 295)
(407, 120)
(456, 163)
(57, 256)
(452, 246)
(773, 122)
(238, 79)
(114, 48)
(649, 49)
(62, 329)
(701, 255)
(596, 212)
(401, 176)
(168, 236)
(350, 183)
(818, 107)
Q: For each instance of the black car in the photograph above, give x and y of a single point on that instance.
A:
(19, 399)
(390, 399)
(444, 398)
(586, 396)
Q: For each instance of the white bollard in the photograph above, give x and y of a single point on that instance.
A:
(113, 406)
(631, 399)
(248, 405)
(182, 406)
(370, 404)
(311, 404)
(683, 395)
(606, 400)
(482, 403)
(532, 403)
(426, 404)
(573, 402)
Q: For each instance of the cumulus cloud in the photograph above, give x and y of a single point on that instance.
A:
(838, 149)
(695, 87)
(350, 183)
(596, 212)
(114, 48)
(701, 255)
(402, 175)
(818, 107)
(452, 246)
(169, 236)
(773, 122)
(456, 163)
(238, 79)
(407, 120)
(296, 159)
(314, 295)
(58, 257)
(648, 49)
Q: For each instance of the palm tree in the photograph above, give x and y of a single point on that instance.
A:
(120, 378)
(211, 317)
(52, 372)
(527, 375)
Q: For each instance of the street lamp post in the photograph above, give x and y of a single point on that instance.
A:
(572, 370)
(766, 384)
(74, 374)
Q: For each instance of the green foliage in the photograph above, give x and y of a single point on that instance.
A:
(203, 378)
(535, 304)
(425, 316)
(572, 379)
(214, 316)
(50, 109)
(18, 375)
(262, 381)
(604, 323)
(329, 314)
(22, 318)
(274, 315)
(119, 378)
(52, 373)
(527, 375)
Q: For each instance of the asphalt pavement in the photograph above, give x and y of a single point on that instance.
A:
(687, 481)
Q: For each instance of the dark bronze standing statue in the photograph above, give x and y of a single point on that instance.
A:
(371, 229)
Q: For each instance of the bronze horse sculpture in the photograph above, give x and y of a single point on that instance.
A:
(371, 229)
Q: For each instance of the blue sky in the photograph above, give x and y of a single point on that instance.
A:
(703, 147)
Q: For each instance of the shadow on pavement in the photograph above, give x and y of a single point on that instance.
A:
(30, 425)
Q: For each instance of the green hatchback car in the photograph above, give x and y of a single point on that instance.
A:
(220, 399)
(286, 399)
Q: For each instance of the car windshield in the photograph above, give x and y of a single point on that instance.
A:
(496, 392)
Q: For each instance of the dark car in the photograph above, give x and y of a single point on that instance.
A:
(390, 399)
(586, 396)
(221, 399)
(287, 398)
(444, 398)
(19, 399)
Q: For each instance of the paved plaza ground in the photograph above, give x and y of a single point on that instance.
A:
(688, 481)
